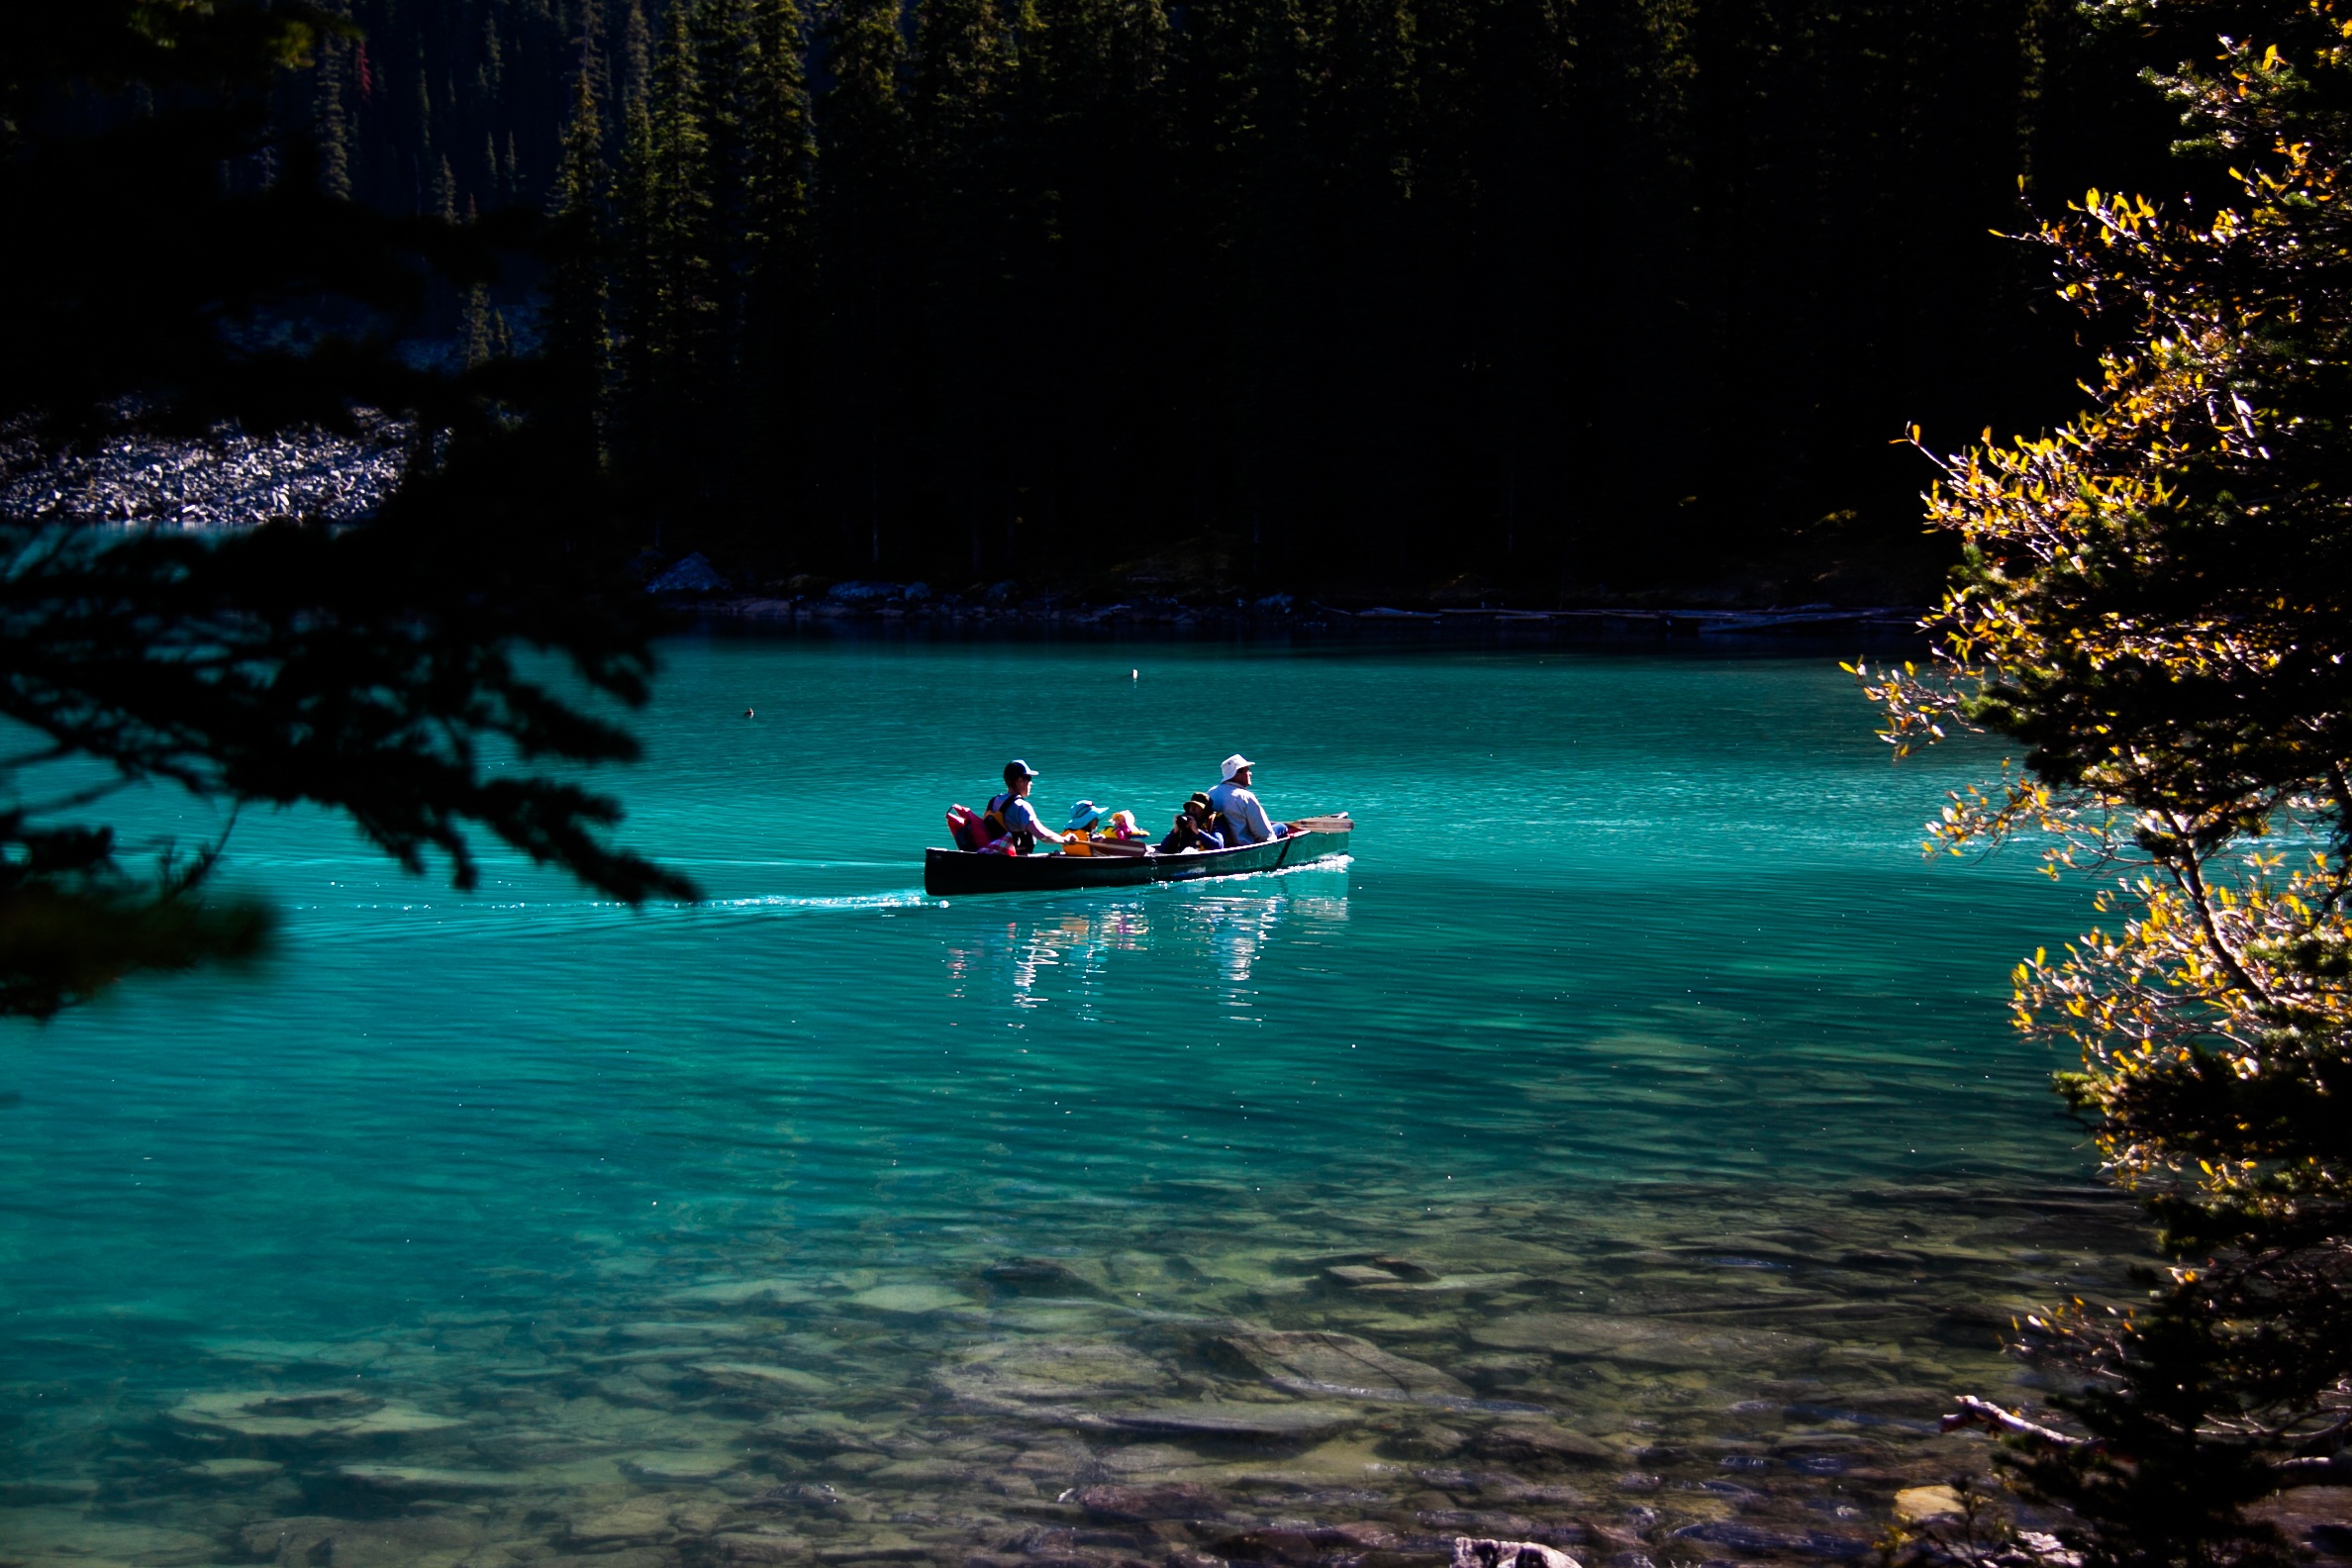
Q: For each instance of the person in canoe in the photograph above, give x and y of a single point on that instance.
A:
(1011, 816)
(1241, 820)
(1192, 829)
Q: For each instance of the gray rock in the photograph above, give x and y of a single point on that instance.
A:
(1037, 1276)
(1023, 1375)
(1474, 1552)
(419, 1542)
(1314, 1362)
(1235, 1421)
(671, 1469)
(422, 1481)
(59, 1489)
(693, 574)
(1175, 1499)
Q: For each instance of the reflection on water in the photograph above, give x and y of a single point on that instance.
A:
(1070, 955)
(1628, 1153)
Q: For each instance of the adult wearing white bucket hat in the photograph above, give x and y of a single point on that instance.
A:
(1235, 802)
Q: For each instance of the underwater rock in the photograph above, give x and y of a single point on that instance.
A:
(1472, 1552)
(1037, 1277)
(1538, 1440)
(1174, 1500)
(1232, 1420)
(1645, 1341)
(1740, 1535)
(760, 1377)
(1313, 1362)
(330, 1414)
(639, 1520)
(237, 1471)
(1277, 1543)
(682, 1334)
(60, 1488)
(742, 1293)
(753, 1547)
(910, 1300)
(673, 1469)
(819, 1432)
(1916, 1505)
(419, 1541)
(408, 1481)
(1042, 1375)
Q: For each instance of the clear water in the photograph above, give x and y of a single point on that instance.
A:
(1636, 1092)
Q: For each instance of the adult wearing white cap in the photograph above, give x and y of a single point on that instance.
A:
(1237, 805)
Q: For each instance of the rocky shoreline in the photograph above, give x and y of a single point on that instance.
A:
(230, 480)
(694, 588)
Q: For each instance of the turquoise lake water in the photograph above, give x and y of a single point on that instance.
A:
(1624, 1148)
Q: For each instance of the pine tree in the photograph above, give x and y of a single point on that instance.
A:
(480, 344)
(333, 125)
(958, 57)
(780, 135)
(636, 56)
(578, 342)
(778, 336)
(863, 161)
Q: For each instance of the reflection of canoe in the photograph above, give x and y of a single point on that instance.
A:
(956, 872)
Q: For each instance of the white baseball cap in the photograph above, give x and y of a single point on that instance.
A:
(1234, 764)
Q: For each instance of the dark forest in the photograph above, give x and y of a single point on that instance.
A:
(1521, 296)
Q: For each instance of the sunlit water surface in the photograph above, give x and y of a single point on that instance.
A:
(1625, 1149)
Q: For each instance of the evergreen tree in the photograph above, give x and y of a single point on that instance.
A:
(864, 133)
(332, 123)
(578, 344)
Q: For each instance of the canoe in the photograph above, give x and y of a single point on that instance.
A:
(960, 873)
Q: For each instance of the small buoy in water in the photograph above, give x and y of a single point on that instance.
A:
(1135, 675)
(747, 713)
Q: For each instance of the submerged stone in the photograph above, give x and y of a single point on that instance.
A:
(1334, 1363)
(1918, 1505)
(1645, 1341)
(1037, 1277)
(300, 1418)
(422, 1481)
(910, 1300)
(1232, 1420)
(419, 1541)
(1022, 1374)
(637, 1520)
(739, 1292)
(238, 1470)
(1169, 1501)
(664, 1469)
(760, 1376)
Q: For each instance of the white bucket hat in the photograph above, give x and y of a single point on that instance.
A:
(1234, 764)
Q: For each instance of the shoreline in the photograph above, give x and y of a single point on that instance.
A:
(1052, 613)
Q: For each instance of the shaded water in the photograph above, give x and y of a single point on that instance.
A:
(1624, 1149)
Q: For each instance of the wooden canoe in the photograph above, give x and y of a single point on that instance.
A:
(959, 873)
